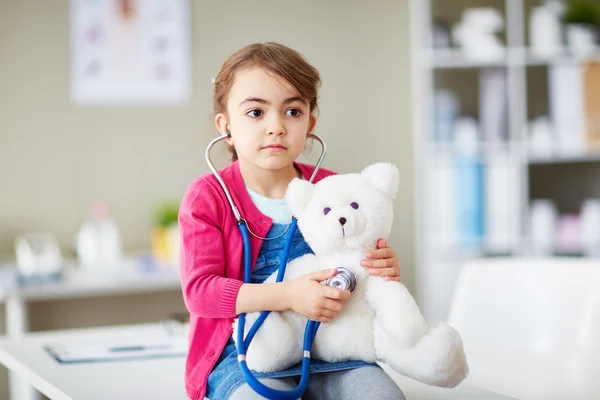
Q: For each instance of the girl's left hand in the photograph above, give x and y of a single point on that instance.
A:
(383, 262)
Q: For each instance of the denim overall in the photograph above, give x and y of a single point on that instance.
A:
(227, 377)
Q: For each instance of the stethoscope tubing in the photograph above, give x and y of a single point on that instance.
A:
(311, 326)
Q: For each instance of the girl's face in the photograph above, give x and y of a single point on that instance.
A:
(268, 119)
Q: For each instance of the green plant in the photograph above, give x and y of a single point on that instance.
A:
(166, 214)
(582, 12)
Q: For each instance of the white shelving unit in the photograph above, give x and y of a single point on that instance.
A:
(513, 56)
(437, 269)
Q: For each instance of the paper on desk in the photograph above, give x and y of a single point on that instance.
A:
(120, 348)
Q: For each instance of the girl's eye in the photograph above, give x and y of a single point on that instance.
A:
(354, 205)
(254, 113)
(326, 210)
(293, 112)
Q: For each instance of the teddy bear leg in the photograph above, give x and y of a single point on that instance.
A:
(397, 311)
(438, 359)
(276, 345)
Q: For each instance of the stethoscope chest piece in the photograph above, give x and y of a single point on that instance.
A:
(344, 279)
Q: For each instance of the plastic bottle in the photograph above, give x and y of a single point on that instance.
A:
(469, 168)
(445, 112)
(98, 242)
(590, 229)
(441, 201)
(545, 29)
(543, 221)
(501, 201)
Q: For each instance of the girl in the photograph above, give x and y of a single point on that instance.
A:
(265, 96)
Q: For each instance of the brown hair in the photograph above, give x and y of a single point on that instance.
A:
(275, 58)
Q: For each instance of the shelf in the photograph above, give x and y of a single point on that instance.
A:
(583, 158)
(563, 57)
(481, 145)
(437, 250)
(461, 257)
(457, 257)
(447, 248)
(442, 151)
(521, 249)
(454, 58)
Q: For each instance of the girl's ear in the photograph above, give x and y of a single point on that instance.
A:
(312, 121)
(222, 125)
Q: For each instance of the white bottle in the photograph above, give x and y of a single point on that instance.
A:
(501, 201)
(98, 242)
(440, 200)
(541, 138)
(566, 93)
(445, 112)
(545, 29)
(543, 221)
(590, 227)
(493, 104)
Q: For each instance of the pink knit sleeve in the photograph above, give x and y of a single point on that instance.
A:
(206, 292)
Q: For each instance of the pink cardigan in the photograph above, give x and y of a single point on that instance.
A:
(211, 264)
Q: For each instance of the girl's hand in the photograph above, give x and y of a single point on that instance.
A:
(307, 296)
(383, 262)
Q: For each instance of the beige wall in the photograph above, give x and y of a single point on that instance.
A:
(56, 158)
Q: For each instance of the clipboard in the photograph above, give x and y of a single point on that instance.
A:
(118, 349)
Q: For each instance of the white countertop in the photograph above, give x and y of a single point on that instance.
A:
(414, 390)
(160, 378)
(144, 379)
(77, 282)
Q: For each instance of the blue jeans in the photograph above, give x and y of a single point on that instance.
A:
(226, 377)
(369, 383)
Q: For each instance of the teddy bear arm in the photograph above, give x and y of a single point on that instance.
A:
(396, 310)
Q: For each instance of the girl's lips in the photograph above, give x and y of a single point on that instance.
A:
(275, 147)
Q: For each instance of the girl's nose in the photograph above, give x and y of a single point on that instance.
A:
(275, 126)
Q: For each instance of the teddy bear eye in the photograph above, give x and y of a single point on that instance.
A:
(326, 210)
(354, 205)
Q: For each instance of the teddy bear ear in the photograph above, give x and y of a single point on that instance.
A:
(298, 195)
(384, 176)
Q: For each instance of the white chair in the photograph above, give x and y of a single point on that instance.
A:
(531, 327)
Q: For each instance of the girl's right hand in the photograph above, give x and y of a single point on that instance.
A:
(307, 296)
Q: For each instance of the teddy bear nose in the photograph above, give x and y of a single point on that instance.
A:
(342, 220)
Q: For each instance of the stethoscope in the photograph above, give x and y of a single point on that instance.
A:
(344, 279)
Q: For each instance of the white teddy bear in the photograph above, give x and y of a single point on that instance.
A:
(341, 218)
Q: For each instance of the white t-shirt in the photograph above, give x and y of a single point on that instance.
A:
(276, 209)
